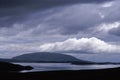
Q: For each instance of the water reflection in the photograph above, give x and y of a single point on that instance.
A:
(63, 66)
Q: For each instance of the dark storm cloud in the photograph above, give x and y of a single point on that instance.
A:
(8, 6)
(43, 3)
(16, 9)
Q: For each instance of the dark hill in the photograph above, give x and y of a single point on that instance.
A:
(47, 57)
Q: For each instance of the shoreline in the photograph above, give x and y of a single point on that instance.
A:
(94, 74)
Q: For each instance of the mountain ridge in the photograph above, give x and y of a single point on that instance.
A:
(47, 57)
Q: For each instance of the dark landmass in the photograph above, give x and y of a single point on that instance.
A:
(46, 57)
(98, 74)
(9, 67)
(96, 63)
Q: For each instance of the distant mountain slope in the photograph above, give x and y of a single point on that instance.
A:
(47, 57)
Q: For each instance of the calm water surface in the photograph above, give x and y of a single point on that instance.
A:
(63, 66)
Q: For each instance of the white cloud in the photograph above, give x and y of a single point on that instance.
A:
(89, 45)
(107, 27)
(107, 4)
(101, 15)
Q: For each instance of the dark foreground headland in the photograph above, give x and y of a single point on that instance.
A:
(9, 67)
(103, 74)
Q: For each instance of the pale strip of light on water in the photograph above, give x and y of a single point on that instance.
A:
(63, 66)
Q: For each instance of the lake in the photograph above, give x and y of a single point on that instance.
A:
(63, 66)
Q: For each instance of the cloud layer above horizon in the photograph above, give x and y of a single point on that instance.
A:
(90, 26)
(83, 45)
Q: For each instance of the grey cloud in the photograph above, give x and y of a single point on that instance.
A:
(112, 13)
(72, 20)
(24, 22)
(24, 6)
(12, 11)
(115, 31)
(43, 3)
(66, 21)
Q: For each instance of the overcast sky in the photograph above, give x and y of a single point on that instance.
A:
(86, 29)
